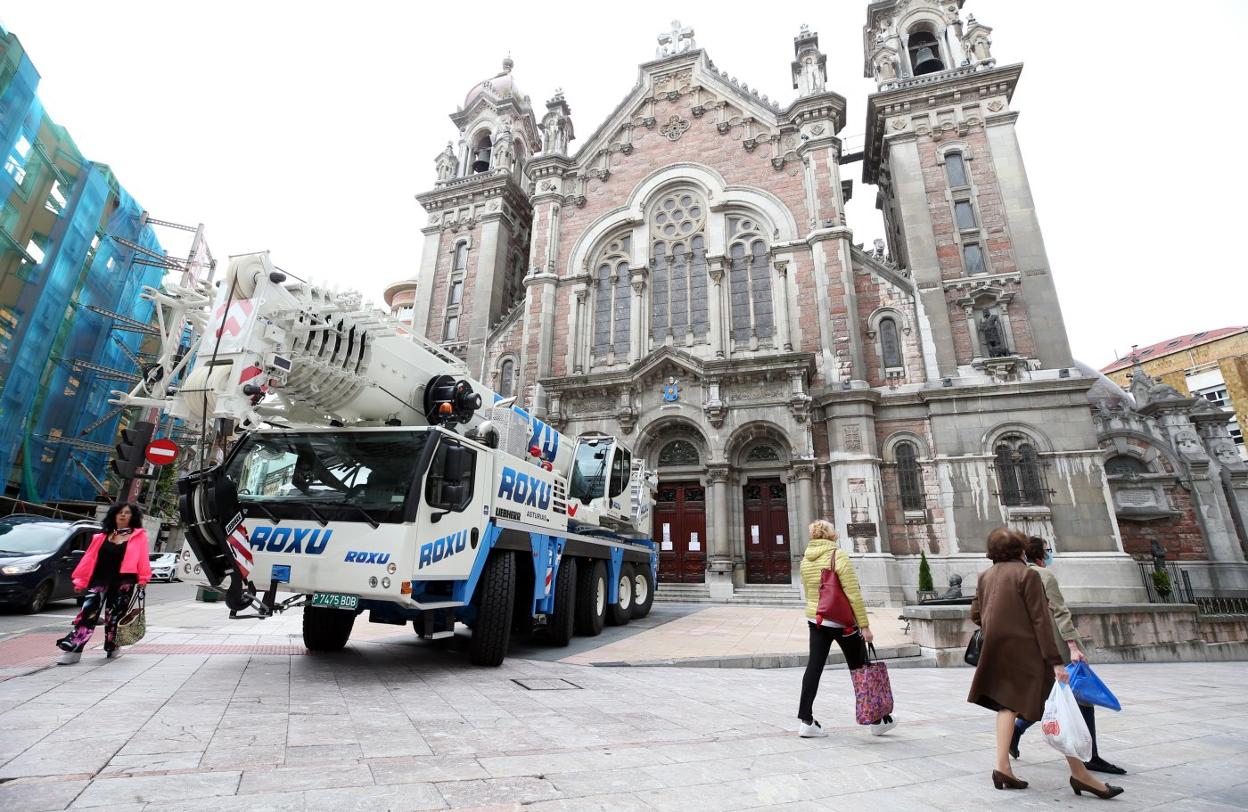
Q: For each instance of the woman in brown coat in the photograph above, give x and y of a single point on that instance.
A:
(1019, 659)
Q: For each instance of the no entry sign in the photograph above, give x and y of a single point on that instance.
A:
(161, 452)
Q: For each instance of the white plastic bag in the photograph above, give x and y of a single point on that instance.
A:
(1063, 724)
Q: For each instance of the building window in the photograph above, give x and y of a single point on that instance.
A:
(678, 295)
(612, 299)
(924, 51)
(749, 281)
(456, 295)
(15, 165)
(973, 257)
(890, 343)
(678, 452)
(404, 313)
(8, 327)
(507, 379)
(909, 478)
(955, 170)
(1123, 465)
(452, 328)
(762, 453)
(964, 213)
(1018, 472)
(461, 257)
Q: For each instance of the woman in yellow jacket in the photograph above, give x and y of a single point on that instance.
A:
(853, 641)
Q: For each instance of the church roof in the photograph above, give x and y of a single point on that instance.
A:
(500, 86)
(1173, 345)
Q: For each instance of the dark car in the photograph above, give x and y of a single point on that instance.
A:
(37, 559)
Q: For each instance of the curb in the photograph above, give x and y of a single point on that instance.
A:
(903, 656)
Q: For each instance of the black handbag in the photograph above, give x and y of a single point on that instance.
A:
(971, 657)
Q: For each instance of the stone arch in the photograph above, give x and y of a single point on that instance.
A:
(654, 435)
(889, 446)
(1159, 457)
(988, 442)
(926, 20)
(756, 433)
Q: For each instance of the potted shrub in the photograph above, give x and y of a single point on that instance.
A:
(1161, 582)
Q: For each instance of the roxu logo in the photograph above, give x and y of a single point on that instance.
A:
(524, 489)
(443, 548)
(289, 539)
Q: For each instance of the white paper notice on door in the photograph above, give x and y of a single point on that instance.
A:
(667, 537)
(665, 546)
(754, 534)
(780, 540)
(695, 545)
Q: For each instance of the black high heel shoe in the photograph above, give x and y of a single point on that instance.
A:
(1079, 787)
(1002, 781)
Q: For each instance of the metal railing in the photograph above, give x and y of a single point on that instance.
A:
(1181, 591)
(10, 506)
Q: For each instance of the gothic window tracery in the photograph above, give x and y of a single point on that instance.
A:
(762, 453)
(749, 281)
(612, 298)
(1122, 465)
(678, 452)
(678, 298)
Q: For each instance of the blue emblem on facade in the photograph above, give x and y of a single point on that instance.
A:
(671, 391)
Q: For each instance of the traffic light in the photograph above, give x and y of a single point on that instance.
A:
(134, 442)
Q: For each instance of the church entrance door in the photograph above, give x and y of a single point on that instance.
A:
(766, 532)
(680, 530)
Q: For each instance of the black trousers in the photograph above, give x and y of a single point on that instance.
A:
(1089, 717)
(821, 637)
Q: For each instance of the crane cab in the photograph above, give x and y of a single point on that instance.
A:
(605, 487)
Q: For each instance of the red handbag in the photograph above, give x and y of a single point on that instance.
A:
(833, 603)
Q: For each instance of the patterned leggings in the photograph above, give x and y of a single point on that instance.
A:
(112, 600)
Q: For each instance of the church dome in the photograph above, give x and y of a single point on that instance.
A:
(1104, 388)
(500, 86)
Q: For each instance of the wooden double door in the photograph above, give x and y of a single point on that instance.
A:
(680, 530)
(766, 532)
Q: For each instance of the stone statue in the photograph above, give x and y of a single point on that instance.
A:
(554, 134)
(878, 245)
(1189, 444)
(446, 162)
(992, 335)
(886, 67)
(1145, 390)
(1159, 555)
(504, 151)
(955, 587)
(1225, 452)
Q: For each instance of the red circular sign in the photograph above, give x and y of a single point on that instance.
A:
(161, 452)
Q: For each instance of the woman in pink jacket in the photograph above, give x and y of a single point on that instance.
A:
(115, 564)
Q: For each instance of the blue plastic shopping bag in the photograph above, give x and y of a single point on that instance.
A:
(1088, 688)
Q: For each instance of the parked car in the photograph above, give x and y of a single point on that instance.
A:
(37, 558)
(164, 566)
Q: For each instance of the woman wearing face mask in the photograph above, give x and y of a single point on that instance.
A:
(1018, 660)
(1040, 559)
(116, 562)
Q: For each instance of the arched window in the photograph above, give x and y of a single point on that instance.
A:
(955, 170)
(1122, 465)
(890, 343)
(909, 478)
(678, 452)
(924, 51)
(678, 299)
(1018, 472)
(612, 299)
(507, 379)
(749, 281)
(762, 453)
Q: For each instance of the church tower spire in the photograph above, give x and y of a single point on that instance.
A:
(941, 146)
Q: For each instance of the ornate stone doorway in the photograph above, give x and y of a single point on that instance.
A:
(766, 532)
(680, 530)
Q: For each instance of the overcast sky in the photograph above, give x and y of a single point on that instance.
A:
(306, 128)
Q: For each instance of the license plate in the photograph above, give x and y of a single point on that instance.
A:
(333, 600)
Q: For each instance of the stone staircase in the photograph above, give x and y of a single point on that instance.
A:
(748, 595)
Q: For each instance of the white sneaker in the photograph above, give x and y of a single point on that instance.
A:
(114, 654)
(69, 657)
(881, 727)
(811, 731)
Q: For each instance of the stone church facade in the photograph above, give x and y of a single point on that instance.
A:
(687, 279)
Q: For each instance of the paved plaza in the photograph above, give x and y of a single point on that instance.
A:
(210, 714)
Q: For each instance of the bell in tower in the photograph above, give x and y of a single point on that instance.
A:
(481, 154)
(925, 53)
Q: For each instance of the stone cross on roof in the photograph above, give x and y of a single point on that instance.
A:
(676, 41)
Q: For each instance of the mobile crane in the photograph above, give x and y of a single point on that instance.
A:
(374, 475)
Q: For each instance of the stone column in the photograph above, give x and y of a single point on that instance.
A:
(784, 332)
(637, 317)
(716, 272)
(578, 341)
(804, 472)
(719, 559)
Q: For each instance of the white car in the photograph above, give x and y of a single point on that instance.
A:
(164, 566)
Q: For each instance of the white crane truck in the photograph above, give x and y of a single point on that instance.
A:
(375, 476)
